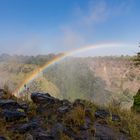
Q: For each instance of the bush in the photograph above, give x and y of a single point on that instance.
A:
(136, 104)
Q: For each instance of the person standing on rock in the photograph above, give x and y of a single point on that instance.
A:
(27, 91)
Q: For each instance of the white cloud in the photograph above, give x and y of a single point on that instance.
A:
(95, 13)
(83, 29)
(77, 33)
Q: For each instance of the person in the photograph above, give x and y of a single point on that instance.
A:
(27, 91)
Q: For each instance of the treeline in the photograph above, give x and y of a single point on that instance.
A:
(36, 60)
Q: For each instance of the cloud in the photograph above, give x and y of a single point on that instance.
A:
(77, 33)
(95, 13)
(82, 29)
(71, 38)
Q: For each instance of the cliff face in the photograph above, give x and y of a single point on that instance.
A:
(119, 74)
(122, 78)
(99, 79)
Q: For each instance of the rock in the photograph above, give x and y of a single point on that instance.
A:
(13, 115)
(44, 136)
(116, 118)
(38, 119)
(3, 138)
(84, 127)
(100, 113)
(104, 132)
(24, 106)
(63, 109)
(124, 131)
(84, 135)
(28, 136)
(40, 134)
(79, 103)
(2, 93)
(57, 130)
(41, 98)
(27, 127)
(69, 132)
(66, 102)
(9, 104)
(89, 115)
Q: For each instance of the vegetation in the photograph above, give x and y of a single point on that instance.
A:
(129, 121)
(136, 104)
(137, 58)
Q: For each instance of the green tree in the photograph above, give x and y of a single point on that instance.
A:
(136, 104)
(137, 59)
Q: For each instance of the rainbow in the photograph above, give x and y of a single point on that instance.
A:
(58, 58)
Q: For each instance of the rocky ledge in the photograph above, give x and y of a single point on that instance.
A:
(48, 118)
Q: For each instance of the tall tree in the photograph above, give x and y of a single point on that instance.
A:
(136, 103)
(137, 59)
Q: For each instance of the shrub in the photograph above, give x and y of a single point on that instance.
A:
(136, 104)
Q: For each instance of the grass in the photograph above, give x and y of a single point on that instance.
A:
(65, 137)
(129, 124)
(10, 135)
(75, 117)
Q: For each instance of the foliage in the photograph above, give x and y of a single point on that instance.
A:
(76, 117)
(137, 59)
(129, 123)
(136, 104)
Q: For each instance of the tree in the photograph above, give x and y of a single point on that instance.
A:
(136, 104)
(137, 59)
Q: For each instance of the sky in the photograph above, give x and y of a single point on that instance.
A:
(31, 27)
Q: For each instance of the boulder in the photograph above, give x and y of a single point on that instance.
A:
(28, 136)
(84, 127)
(71, 133)
(41, 98)
(24, 106)
(3, 138)
(79, 103)
(57, 130)
(65, 102)
(13, 115)
(101, 113)
(84, 135)
(42, 135)
(63, 109)
(27, 127)
(9, 104)
(2, 93)
(116, 118)
(104, 132)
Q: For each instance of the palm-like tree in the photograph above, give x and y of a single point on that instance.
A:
(137, 59)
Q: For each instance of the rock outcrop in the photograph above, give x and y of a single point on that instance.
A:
(48, 118)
